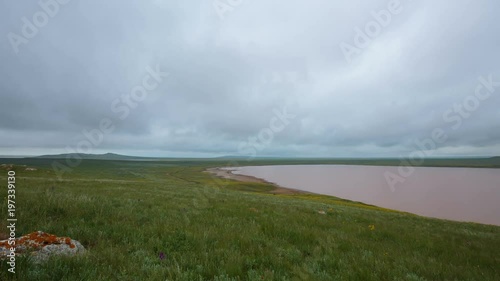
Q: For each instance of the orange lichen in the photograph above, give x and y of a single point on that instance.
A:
(37, 240)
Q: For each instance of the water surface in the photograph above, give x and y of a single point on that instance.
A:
(462, 194)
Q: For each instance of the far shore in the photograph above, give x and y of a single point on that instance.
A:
(228, 174)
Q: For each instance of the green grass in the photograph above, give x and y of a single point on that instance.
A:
(126, 213)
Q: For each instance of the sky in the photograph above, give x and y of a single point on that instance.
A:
(207, 78)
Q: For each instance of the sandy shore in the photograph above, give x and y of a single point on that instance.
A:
(228, 174)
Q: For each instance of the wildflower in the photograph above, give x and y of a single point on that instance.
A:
(371, 227)
(162, 256)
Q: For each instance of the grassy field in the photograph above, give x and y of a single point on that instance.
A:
(127, 212)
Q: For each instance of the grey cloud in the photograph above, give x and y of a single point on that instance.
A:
(227, 76)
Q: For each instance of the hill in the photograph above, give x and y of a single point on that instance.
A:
(106, 156)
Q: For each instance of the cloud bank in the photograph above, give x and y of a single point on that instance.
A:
(416, 66)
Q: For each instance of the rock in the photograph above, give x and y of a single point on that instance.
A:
(7, 167)
(41, 246)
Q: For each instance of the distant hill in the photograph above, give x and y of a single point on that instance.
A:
(107, 156)
(495, 159)
(229, 157)
(478, 162)
(243, 157)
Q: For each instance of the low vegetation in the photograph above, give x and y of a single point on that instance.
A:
(169, 220)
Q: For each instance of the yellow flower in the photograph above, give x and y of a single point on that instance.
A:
(371, 227)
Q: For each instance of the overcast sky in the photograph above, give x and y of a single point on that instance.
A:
(293, 75)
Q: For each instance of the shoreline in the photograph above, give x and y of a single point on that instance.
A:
(228, 174)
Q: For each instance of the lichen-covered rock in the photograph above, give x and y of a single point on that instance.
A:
(41, 246)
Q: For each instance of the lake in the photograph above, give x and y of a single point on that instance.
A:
(461, 194)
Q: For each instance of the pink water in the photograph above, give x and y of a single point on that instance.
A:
(461, 194)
